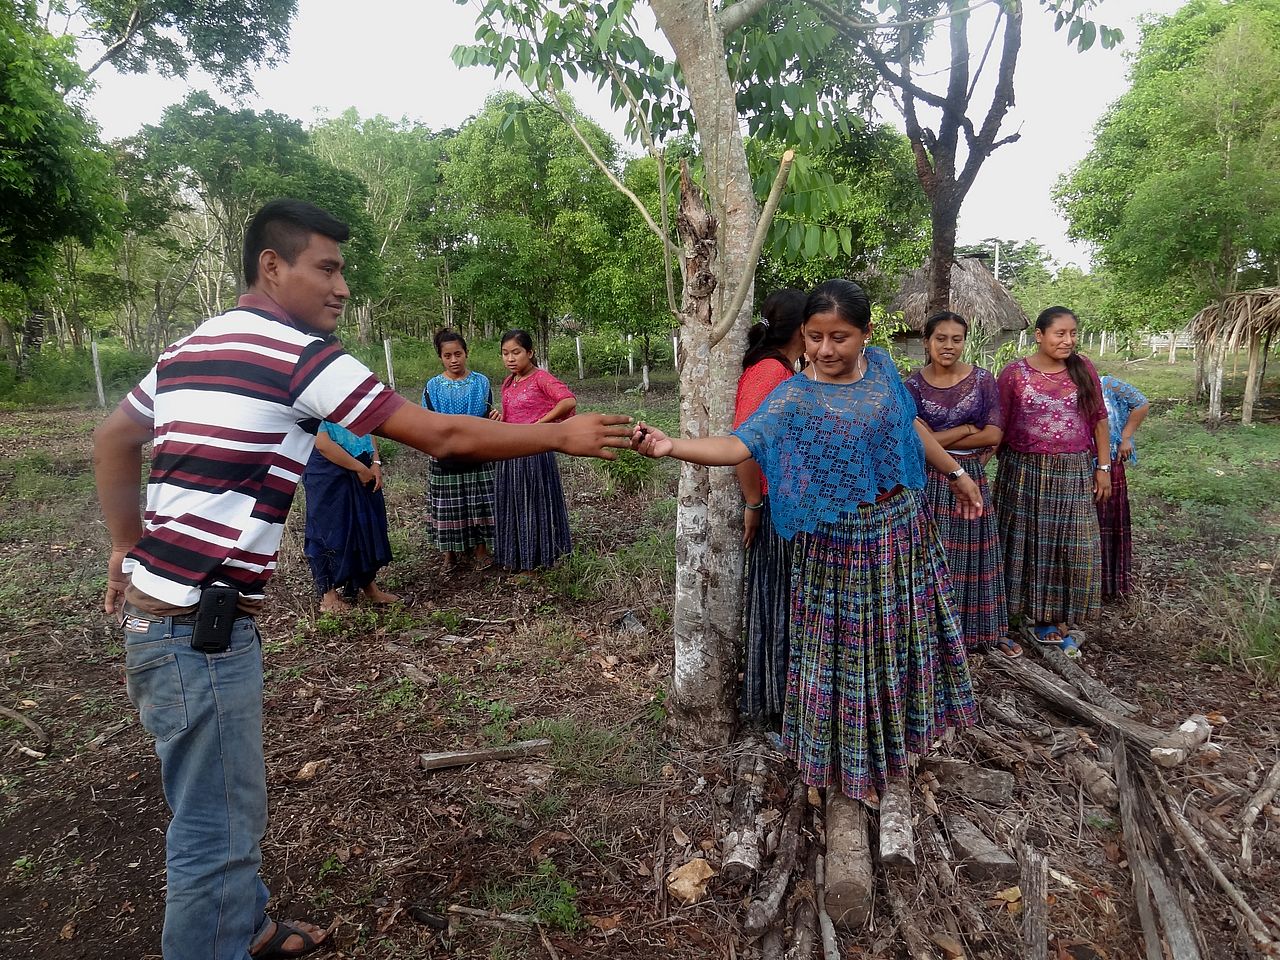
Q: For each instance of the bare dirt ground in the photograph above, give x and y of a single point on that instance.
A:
(362, 838)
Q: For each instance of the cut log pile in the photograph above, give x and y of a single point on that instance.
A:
(994, 847)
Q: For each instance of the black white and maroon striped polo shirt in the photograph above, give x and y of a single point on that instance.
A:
(235, 407)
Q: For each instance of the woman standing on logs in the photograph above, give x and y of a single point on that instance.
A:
(1126, 409)
(773, 347)
(877, 664)
(1049, 481)
(959, 403)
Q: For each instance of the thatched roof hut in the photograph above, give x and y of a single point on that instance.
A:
(975, 294)
(1250, 318)
(1240, 318)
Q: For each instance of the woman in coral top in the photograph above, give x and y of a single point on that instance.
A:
(773, 347)
(1049, 481)
(532, 521)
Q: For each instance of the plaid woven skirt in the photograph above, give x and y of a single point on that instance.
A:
(460, 507)
(1049, 535)
(877, 666)
(973, 557)
(768, 613)
(531, 527)
(1117, 537)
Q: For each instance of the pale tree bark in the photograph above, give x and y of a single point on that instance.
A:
(1251, 380)
(708, 612)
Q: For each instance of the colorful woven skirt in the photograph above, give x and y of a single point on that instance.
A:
(768, 612)
(1049, 536)
(973, 557)
(877, 666)
(531, 526)
(1117, 537)
(460, 506)
(345, 538)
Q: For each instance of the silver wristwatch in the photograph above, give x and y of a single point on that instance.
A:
(956, 474)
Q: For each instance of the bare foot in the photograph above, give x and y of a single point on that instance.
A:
(331, 602)
(301, 938)
(378, 595)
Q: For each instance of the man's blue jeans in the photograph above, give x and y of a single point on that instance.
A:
(205, 711)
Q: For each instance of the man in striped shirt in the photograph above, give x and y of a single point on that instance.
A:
(232, 411)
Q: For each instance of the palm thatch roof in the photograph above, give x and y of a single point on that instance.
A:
(1240, 318)
(975, 294)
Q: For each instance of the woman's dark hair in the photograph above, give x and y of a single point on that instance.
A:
(1087, 397)
(941, 317)
(524, 340)
(844, 298)
(783, 312)
(449, 336)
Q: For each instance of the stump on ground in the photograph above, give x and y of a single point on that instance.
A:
(850, 876)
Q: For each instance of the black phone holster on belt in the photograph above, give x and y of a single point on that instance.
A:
(215, 618)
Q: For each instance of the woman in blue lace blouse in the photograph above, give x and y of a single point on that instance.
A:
(1126, 409)
(877, 666)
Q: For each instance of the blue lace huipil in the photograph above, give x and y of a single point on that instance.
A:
(827, 447)
(1121, 399)
(472, 395)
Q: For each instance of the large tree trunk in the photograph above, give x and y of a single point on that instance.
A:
(1251, 380)
(708, 608)
(942, 253)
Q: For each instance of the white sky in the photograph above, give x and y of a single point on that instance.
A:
(392, 57)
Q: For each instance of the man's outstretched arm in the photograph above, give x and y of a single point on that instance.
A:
(475, 438)
(117, 469)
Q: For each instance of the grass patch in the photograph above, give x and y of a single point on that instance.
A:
(591, 754)
(587, 574)
(1249, 629)
(544, 893)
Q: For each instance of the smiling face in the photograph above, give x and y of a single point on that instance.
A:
(311, 289)
(516, 358)
(454, 359)
(946, 344)
(834, 346)
(1058, 340)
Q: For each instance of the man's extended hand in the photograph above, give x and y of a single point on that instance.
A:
(595, 435)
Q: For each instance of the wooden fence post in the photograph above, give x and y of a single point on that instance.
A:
(577, 344)
(97, 372)
(391, 371)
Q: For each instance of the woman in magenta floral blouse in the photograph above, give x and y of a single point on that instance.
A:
(1049, 481)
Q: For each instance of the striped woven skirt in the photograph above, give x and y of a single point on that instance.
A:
(531, 523)
(877, 666)
(460, 506)
(973, 557)
(1049, 535)
(768, 612)
(1117, 537)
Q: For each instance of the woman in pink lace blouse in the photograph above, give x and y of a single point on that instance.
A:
(1049, 480)
(531, 522)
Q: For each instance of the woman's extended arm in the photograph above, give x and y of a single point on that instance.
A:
(725, 451)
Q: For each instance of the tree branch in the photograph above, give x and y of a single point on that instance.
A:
(130, 31)
(554, 102)
(1001, 100)
(724, 323)
(733, 17)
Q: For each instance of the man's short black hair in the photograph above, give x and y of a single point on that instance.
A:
(286, 226)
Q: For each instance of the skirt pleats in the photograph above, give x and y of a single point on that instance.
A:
(532, 523)
(878, 666)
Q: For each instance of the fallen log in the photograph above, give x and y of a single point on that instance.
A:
(994, 787)
(462, 758)
(917, 944)
(1150, 882)
(771, 945)
(830, 944)
(997, 751)
(767, 903)
(1181, 743)
(897, 842)
(741, 845)
(805, 926)
(980, 859)
(1035, 901)
(939, 859)
(1089, 687)
(1270, 786)
(850, 875)
(1007, 713)
(1050, 690)
(1097, 783)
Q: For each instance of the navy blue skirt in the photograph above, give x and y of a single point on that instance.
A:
(531, 522)
(346, 533)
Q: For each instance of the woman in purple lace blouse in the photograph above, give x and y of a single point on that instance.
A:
(1049, 481)
(959, 403)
